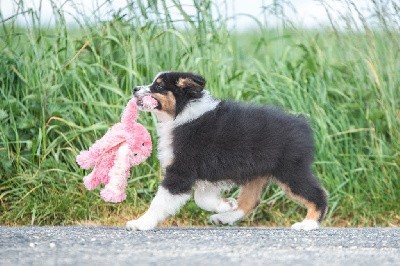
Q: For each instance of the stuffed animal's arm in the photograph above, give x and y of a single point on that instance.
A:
(88, 159)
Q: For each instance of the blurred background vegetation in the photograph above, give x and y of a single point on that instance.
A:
(62, 86)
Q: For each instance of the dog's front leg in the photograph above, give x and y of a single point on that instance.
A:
(163, 205)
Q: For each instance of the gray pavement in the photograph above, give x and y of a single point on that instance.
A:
(77, 245)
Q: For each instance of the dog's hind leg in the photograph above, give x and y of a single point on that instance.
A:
(309, 193)
(207, 196)
(249, 198)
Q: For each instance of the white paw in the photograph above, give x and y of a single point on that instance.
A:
(140, 224)
(227, 217)
(227, 205)
(306, 225)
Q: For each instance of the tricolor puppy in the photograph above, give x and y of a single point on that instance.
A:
(206, 144)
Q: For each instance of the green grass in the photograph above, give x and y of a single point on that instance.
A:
(61, 88)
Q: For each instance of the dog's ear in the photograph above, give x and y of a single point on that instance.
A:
(192, 83)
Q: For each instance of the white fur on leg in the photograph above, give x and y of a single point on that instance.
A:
(208, 197)
(227, 217)
(163, 205)
(226, 205)
(306, 225)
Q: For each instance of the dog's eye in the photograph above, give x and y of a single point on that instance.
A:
(159, 87)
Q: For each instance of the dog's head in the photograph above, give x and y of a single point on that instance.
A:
(172, 90)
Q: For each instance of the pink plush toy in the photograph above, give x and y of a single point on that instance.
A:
(124, 145)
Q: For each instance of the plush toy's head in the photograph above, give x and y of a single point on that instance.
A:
(140, 144)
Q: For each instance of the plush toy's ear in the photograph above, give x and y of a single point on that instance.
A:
(191, 83)
(130, 113)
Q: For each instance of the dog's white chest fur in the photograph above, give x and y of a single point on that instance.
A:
(165, 148)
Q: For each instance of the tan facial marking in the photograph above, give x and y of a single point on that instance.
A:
(312, 211)
(250, 193)
(159, 80)
(168, 102)
(185, 82)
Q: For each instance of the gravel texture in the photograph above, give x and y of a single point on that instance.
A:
(77, 245)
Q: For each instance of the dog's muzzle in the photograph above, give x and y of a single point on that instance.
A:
(140, 91)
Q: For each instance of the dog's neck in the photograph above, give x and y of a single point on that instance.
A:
(167, 124)
(193, 110)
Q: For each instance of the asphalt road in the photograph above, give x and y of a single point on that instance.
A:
(198, 246)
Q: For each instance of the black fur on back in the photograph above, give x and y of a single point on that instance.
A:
(238, 142)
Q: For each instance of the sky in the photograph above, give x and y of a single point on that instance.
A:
(310, 13)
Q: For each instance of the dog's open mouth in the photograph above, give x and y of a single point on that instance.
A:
(139, 102)
(147, 102)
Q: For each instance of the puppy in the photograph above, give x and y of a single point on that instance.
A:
(207, 144)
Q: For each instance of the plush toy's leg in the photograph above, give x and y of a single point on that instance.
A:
(114, 191)
(91, 181)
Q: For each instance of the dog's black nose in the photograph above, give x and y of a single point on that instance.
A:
(136, 89)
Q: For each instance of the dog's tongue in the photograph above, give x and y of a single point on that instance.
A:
(149, 102)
